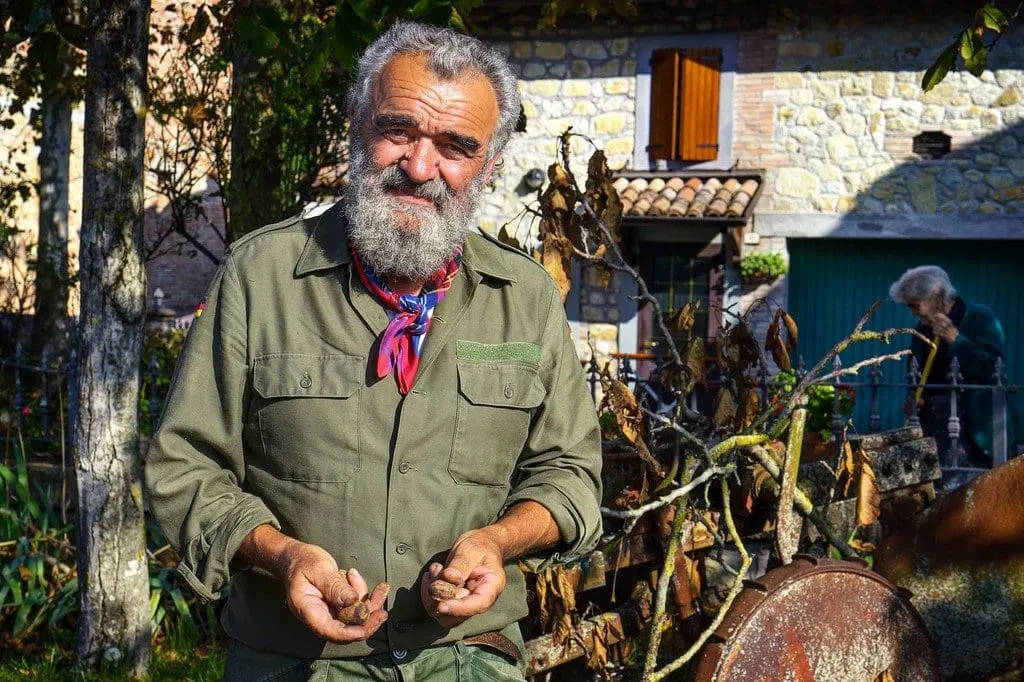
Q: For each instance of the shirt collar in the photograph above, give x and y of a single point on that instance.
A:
(327, 247)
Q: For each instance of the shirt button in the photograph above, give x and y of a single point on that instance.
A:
(508, 390)
(305, 381)
(404, 467)
(402, 548)
(399, 654)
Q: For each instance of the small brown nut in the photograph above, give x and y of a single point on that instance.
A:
(441, 590)
(356, 614)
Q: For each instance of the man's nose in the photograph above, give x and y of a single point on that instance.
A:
(420, 163)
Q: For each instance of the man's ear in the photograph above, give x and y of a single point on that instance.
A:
(490, 168)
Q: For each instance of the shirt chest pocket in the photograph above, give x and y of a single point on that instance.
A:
(495, 406)
(307, 413)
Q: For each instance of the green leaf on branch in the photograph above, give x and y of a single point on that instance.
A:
(974, 52)
(993, 18)
(942, 66)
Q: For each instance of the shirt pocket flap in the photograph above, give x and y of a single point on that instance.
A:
(501, 384)
(294, 376)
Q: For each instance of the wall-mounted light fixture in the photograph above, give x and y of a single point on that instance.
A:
(534, 178)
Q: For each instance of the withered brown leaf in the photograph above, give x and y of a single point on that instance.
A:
(557, 260)
(696, 361)
(685, 316)
(750, 407)
(792, 332)
(725, 409)
(774, 343)
(868, 499)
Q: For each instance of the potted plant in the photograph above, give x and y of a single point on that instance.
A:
(758, 268)
(820, 406)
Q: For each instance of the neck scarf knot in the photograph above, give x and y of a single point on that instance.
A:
(400, 344)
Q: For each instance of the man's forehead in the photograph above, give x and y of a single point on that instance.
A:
(409, 75)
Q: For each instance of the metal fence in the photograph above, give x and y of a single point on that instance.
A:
(949, 429)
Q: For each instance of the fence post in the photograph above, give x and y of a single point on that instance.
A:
(875, 420)
(593, 372)
(913, 376)
(999, 417)
(953, 457)
(837, 413)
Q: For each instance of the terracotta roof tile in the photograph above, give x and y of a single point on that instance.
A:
(687, 197)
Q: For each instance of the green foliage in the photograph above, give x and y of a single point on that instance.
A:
(56, 663)
(762, 266)
(554, 11)
(820, 402)
(970, 45)
(160, 351)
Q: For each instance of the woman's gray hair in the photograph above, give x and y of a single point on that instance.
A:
(922, 283)
(449, 54)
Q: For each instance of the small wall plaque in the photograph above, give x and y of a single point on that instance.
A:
(932, 144)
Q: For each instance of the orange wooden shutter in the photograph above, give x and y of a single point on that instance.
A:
(665, 101)
(698, 115)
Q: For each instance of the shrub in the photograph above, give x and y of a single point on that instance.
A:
(762, 266)
(820, 402)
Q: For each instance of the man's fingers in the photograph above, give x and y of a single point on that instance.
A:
(475, 602)
(337, 590)
(317, 617)
(456, 571)
(358, 583)
(378, 597)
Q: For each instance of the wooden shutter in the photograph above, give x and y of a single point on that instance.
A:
(665, 104)
(698, 115)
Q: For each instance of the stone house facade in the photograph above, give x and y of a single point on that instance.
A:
(822, 103)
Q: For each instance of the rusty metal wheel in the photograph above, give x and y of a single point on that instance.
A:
(820, 620)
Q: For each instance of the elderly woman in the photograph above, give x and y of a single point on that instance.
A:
(973, 335)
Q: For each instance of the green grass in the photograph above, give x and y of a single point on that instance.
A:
(202, 664)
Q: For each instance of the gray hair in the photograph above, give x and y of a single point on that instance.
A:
(922, 283)
(449, 55)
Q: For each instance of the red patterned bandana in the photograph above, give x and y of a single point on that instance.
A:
(402, 340)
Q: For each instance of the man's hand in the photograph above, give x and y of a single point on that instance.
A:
(475, 566)
(944, 328)
(317, 591)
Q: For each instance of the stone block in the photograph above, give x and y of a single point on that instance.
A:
(529, 109)
(557, 126)
(942, 93)
(990, 208)
(802, 97)
(620, 145)
(811, 116)
(985, 95)
(999, 179)
(584, 108)
(891, 104)
(609, 69)
(788, 80)
(576, 88)
(558, 70)
(922, 193)
(1008, 97)
(1016, 167)
(901, 123)
(551, 51)
(617, 86)
(857, 86)
(620, 46)
(835, 109)
(965, 124)
(786, 113)
(588, 49)
(841, 146)
(609, 124)
(974, 175)
(796, 182)
(522, 49)
(544, 88)
(852, 124)
(882, 84)
(534, 70)
(986, 160)
(991, 119)
(825, 90)
(805, 136)
(933, 114)
(580, 68)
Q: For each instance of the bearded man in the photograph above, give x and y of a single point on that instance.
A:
(382, 390)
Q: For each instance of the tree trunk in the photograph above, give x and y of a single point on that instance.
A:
(50, 324)
(113, 626)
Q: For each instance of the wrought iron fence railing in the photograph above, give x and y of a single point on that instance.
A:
(945, 402)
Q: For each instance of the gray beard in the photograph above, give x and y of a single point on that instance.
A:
(399, 239)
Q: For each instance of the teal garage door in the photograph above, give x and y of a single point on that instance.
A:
(832, 282)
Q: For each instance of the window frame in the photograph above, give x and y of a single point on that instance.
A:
(645, 48)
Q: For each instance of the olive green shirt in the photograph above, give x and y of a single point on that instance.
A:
(275, 415)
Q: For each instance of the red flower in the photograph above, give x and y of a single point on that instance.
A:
(26, 411)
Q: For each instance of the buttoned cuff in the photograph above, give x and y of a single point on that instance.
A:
(579, 535)
(206, 558)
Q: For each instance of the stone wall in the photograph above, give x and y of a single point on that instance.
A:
(848, 104)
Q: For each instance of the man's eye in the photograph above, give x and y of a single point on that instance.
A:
(455, 150)
(395, 133)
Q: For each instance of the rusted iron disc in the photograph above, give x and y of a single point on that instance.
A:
(819, 620)
(963, 558)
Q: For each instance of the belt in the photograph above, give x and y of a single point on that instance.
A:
(497, 641)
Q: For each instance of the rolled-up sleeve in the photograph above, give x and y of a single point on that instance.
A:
(195, 463)
(560, 467)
